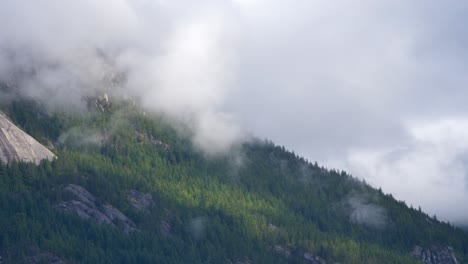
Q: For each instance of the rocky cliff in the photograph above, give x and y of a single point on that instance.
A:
(15, 144)
(435, 255)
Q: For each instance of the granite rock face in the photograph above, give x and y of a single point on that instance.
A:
(435, 255)
(86, 206)
(139, 201)
(15, 144)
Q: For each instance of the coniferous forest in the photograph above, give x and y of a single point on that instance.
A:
(259, 203)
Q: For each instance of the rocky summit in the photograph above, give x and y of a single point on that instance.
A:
(15, 144)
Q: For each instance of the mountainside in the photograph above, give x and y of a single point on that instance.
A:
(17, 145)
(127, 188)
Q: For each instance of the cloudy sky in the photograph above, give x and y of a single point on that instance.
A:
(377, 88)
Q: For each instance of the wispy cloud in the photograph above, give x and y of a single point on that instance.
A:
(345, 83)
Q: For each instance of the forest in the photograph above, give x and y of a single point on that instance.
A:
(259, 203)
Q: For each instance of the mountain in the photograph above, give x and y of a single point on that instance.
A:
(128, 188)
(17, 145)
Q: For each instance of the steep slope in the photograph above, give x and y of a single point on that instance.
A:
(17, 145)
(258, 204)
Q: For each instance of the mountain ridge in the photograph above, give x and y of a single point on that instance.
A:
(272, 207)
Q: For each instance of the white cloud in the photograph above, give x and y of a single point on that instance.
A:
(333, 80)
(429, 169)
(177, 58)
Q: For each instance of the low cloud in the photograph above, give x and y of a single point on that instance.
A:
(170, 59)
(428, 169)
(366, 212)
(77, 136)
(197, 227)
(345, 83)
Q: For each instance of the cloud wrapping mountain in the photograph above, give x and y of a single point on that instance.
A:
(347, 83)
(171, 57)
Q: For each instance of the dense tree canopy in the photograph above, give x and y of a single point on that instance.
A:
(260, 202)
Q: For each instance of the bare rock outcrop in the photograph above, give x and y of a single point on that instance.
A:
(140, 201)
(100, 103)
(290, 254)
(435, 255)
(15, 144)
(283, 251)
(148, 138)
(310, 258)
(85, 205)
(167, 223)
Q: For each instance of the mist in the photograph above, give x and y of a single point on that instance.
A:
(366, 212)
(376, 88)
(172, 58)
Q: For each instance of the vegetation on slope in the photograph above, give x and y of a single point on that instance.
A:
(260, 203)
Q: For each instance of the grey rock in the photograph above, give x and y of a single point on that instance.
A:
(100, 103)
(310, 258)
(167, 223)
(140, 201)
(81, 193)
(281, 250)
(435, 254)
(84, 205)
(15, 144)
(166, 228)
(143, 137)
(119, 219)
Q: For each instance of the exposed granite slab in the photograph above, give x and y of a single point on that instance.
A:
(15, 144)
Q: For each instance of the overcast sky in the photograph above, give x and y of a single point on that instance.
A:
(377, 88)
